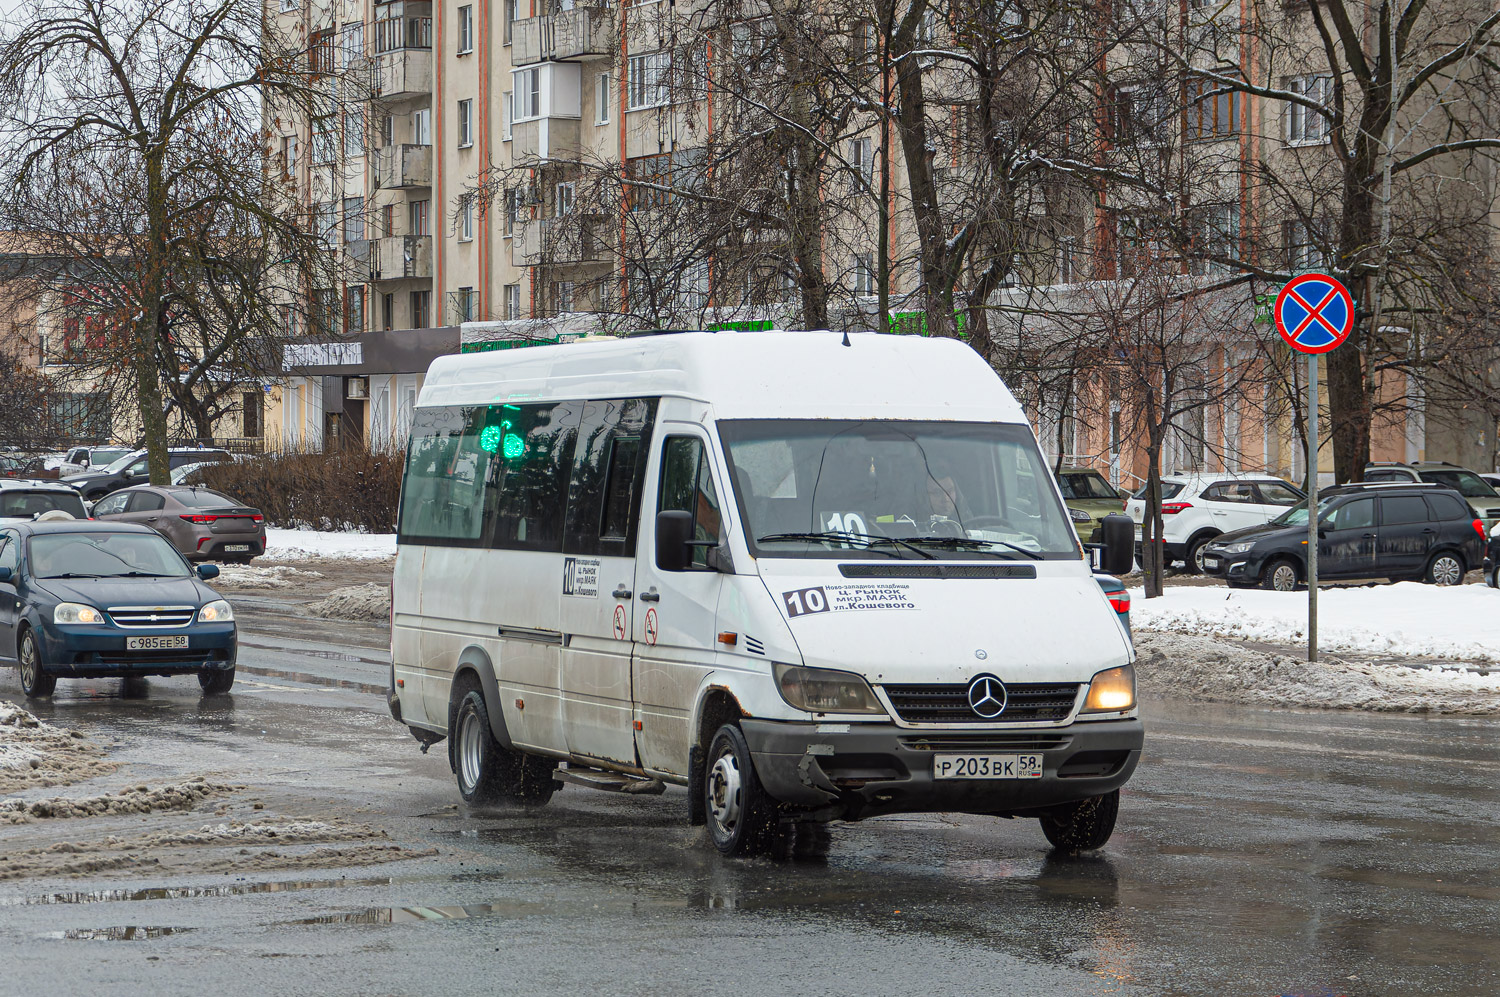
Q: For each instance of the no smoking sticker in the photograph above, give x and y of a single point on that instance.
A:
(619, 623)
(651, 626)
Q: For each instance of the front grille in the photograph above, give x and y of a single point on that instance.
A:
(151, 617)
(165, 656)
(989, 742)
(941, 704)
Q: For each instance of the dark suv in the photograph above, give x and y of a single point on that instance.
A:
(1398, 531)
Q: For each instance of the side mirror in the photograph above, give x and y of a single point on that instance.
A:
(207, 571)
(6, 574)
(1118, 532)
(674, 530)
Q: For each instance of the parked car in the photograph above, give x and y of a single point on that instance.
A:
(1118, 596)
(1493, 480)
(201, 523)
(1196, 508)
(1396, 531)
(81, 460)
(22, 465)
(131, 470)
(1086, 491)
(26, 499)
(86, 600)
(1480, 495)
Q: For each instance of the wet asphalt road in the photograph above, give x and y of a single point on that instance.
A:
(1259, 852)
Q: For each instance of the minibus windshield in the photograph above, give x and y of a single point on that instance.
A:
(824, 488)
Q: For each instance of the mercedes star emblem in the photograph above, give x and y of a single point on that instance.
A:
(987, 696)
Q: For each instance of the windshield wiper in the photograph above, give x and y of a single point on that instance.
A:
(144, 574)
(870, 541)
(963, 543)
(76, 574)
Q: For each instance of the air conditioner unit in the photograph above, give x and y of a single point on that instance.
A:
(356, 387)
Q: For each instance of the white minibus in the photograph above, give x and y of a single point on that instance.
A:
(810, 577)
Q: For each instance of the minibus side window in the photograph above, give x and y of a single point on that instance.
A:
(535, 457)
(620, 489)
(609, 474)
(688, 485)
(443, 497)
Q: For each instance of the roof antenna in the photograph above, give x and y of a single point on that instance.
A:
(846, 337)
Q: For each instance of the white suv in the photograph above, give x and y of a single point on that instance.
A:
(1195, 508)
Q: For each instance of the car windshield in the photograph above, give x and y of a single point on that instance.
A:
(105, 555)
(1297, 514)
(818, 488)
(16, 504)
(1086, 486)
(101, 455)
(1468, 484)
(203, 498)
(121, 464)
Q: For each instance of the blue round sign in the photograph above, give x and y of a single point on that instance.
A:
(1314, 313)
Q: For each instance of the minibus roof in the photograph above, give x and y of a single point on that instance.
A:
(744, 375)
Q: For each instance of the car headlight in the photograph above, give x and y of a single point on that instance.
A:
(1238, 548)
(823, 690)
(76, 612)
(1078, 516)
(216, 612)
(1111, 691)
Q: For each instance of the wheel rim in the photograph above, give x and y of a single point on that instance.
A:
(1446, 571)
(1198, 557)
(1284, 578)
(28, 662)
(725, 792)
(470, 750)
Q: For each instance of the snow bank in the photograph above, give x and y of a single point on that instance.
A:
(253, 576)
(35, 753)
(1207, 669)
(1461, 622)
(302, 545)
(370, 601)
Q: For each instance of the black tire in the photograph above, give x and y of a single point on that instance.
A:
(1492, 578)
(1446, 568)
(216, 681)
(741, 818)
(35, 683)
(1082, 826)
(1192, 560)
(1275, 577)
(487, 771)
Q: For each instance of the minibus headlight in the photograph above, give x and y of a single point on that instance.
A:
(823, 690)
(1111, 691)
(76, 612)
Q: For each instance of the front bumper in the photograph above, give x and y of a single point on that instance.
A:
(870, 769)
(69, 650)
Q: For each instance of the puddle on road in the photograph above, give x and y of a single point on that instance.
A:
(308, 678)
(310, 653)
(408, 915)
(126, 933)
(188, 892)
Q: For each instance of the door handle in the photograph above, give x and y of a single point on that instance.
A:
(1429, 530)
(621, 592)
(651, 596)
(1367, 536)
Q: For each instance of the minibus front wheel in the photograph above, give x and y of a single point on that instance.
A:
(487, 771)
(740, 815)
(1082, 826)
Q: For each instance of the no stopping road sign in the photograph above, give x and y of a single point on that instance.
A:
(1314, 313)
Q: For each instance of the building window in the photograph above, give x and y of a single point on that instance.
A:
(512, 301)
(252, 408)
(326, 311)
(507, 111)
(418, 217)
(562, 199)
(1212, 112)
(324, 140)
(862, 165)
(465, 29)
(528, 99)
(320, 51)
(388, 130)
(562, 296)
(466, 221)
(1304, 125)
(354, 134)
(1067, 259)
(421, 309)
(512, 209)
(354, 219)
(353, 43)
(601, 99)
(1306, 243)
(325, 219)
(289, 155)
(464, 300)
(387, 219)
(388, 312)
(354, 308)
(651, 176)
(1216, 238)
(1144, 115)
(512, 14)
(647, 77)
(287, 6)
(421, 126)
(864, 274)
(466, 123)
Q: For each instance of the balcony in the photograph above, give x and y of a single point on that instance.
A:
(564, 241)
(404, 257)
(398, 166)
(542, 139)
(581, 33)
(403, 73)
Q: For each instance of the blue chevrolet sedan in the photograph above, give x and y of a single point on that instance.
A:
(85, 599)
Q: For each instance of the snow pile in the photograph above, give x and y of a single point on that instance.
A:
(1202, 668)
(34, 753)
(302, 545)
(1461, 622)
(301, 830)
(247, 576)
(370, 601)
(134, 800)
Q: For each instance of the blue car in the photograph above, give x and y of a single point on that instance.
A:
(85, 599)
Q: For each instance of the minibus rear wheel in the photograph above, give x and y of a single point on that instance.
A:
(740, 815)
(1081, 826)
(487, 771)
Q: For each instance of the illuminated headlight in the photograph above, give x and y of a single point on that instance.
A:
(823, 690)
(76, 612)
(216, 612)
(1111, 691)
(1237, 548)
(1078, 516)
